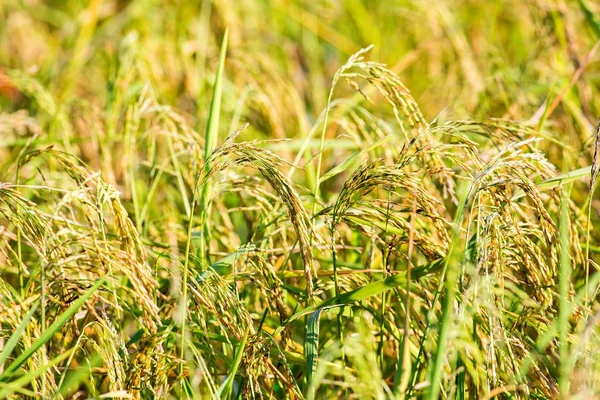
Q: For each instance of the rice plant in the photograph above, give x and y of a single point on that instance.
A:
(305, 200)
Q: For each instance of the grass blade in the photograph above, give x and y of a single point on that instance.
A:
(14, 338)
(24, 380)
(212, 132)
(210, 140)
(52, 329)
(225, 389)
(448, 306)
(366, 291)
(558, 180)
(311, 348)
(564, 310)
(212, 126)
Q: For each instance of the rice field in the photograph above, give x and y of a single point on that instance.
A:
(285, 199)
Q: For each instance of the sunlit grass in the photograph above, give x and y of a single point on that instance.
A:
(246, 199)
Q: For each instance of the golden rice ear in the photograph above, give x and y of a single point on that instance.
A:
(246, 153)
(102, 215)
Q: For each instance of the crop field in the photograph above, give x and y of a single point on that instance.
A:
(287, 199)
